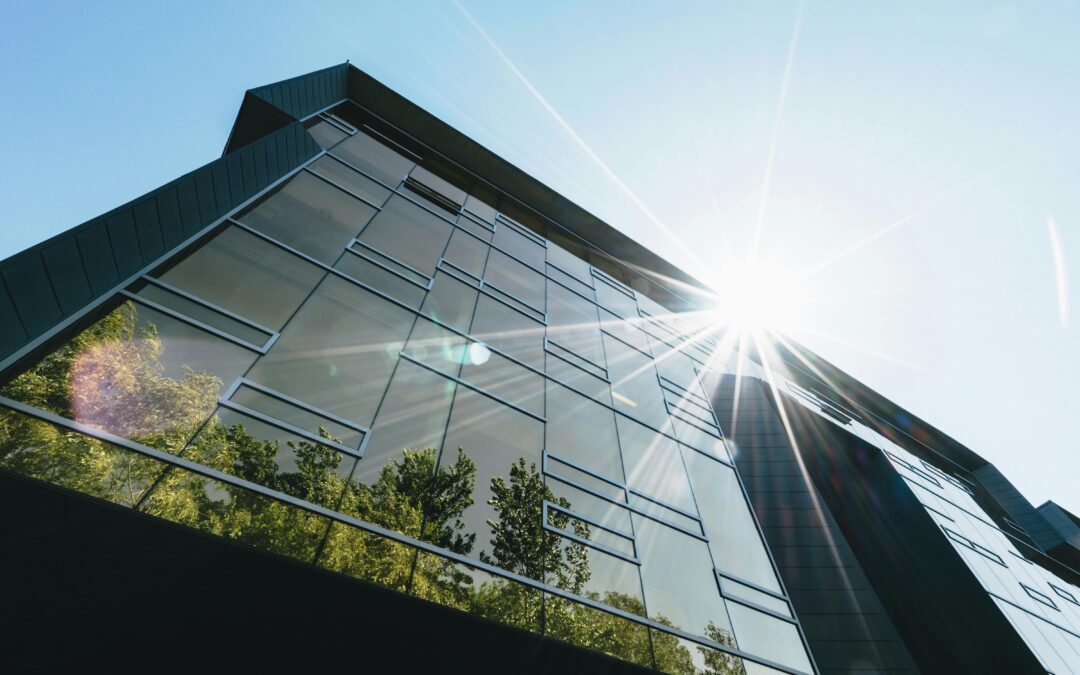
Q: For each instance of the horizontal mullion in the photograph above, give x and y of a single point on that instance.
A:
(470, 385)
(209, 305)
(184, 318)
(285, 426)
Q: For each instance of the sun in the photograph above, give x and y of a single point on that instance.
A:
(759, 296)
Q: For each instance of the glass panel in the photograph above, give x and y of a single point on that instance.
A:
(653, 465)
(583, 432)
(577, 555)
(509, 331)
(363, 269)
(625, 331)
(680, 588)
(135, 373)
(665, 514)
(679, 656)
(597, 630)
(244, 274)
(733, 538)
(743, 592)
(411, 419)
(467, 252)
(510, 276)
(590, 506)
(694, 435)
(47, 452)
(307, 420)
(451, 302)
(569, 263)
(618, 302)
(679, 368)
(338, 352)
(438, 185)
(518, 245)
(466, 223)
(480, 209)
(504, 378)
(556, 274)
(763, 635)
(355, 181)
(408, 233)
(437, 347)
(261, 453)
(476, 591)
(325, 134)
(204, 314)
(500, 448)
(574, 376)
(374, 158)
(236, 513)
(634, 386)
(574, 324)
(311, 216)
(370, 557)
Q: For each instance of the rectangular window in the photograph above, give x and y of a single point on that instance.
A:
(347, 178)
(1061, 592)
(408, 234)
(175, 302)
(374, 158)
(978, 548)
(1041, 598)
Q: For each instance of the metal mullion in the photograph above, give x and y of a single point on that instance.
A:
(391, 270)
(510, 297)
(285, 426)
(616, 337)
(295, 402)
(192, 322)
(658, 502)
(1031, 613)
(332, 515)
(694, 422)
(548, 262)
(339, 186)
(408, 267)
(416, 157)
(365, 174)
(582, 469)
(753, 585)
(682, 404)
(548, 504)
(585, 542)
(472, 386)
(758, 608)
(209, 305)
(547, 342)
(403, 191)
(322, 110)
(613, 282)
(339, 123)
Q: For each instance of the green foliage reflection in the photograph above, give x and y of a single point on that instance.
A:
(111, 376)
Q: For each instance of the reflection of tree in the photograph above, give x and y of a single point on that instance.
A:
(111, 376)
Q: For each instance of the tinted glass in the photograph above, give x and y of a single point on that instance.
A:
(374, 158)
(634, 387)
(244, 274)
(510, 276)
(654, 466)
(311, 216)
(770, 637)
(509, 330)
(354, 181)
(451, 302)
(339, 350)
(583, 432)
(574, 324)
(408, 233)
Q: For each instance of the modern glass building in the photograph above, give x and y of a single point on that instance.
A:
(360, 386)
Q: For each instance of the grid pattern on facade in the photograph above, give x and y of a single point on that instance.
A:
(377, 372)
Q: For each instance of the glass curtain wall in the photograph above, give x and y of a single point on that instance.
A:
(375, 372)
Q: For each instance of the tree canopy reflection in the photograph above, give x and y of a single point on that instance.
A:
(111, 376)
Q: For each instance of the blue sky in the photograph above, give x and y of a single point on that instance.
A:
(911, 157)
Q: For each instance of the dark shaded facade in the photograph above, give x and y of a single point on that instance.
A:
(361, 382)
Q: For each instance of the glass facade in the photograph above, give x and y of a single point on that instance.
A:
(409, 381)
(1042, 607)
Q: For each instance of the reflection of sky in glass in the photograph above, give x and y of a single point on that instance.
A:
(940, 136)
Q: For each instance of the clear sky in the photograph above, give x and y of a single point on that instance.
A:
(908, 165)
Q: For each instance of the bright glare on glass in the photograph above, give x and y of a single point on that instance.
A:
(757, 295)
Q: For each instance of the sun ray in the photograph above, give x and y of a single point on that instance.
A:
(1057, 248)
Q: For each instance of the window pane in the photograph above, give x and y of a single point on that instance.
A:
(583, 432)
(310, 421)
(634, 386)
(653, 465)
(47, 452)
(504, 445)
(467, 252)
(509, 330)
(451, 302)
(311, 216)
(326, 134)
(615, 300)
(510, 276)
(261, 453)
(569, 263)
(436, 347)
(374, 158)
(135, 373)
(244, 274)
(625, 331)
(504, 378)
(596, 509)
(736, 546)
(518, 245)
(353, 180)
(364, 269)
(475, 591)
(596, 629)
(203, 314)
(763, 635)
(339, 350)
(680, 587)
(574, 324)
(408, 233)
